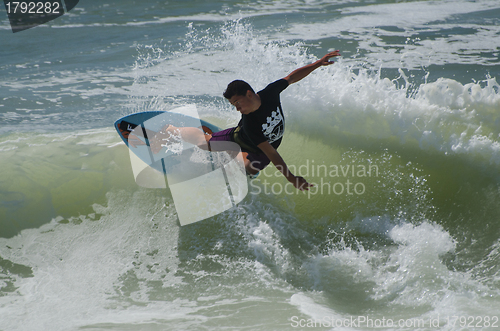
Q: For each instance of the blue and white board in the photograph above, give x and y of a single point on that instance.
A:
(137, 129)
(203, 184)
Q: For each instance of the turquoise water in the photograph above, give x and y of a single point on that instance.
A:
(401, 137)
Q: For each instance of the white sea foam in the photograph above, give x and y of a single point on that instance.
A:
(77, 265)
(372, 27)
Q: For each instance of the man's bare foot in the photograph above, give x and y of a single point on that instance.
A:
(166, 135)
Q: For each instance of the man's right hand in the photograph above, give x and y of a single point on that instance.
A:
(300, 183)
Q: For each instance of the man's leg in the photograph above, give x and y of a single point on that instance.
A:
(191, 135)
(171, 134)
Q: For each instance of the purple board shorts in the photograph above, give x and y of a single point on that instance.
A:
(257, 160)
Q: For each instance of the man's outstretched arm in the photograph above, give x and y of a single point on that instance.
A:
(299, 182)
(302, 72)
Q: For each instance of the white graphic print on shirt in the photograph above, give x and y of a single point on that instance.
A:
(274, 128)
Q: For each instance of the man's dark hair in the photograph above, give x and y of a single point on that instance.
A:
(237, 87)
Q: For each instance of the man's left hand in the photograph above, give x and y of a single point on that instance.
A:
(325, 60)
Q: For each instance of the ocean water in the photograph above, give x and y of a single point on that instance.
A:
(401, 136)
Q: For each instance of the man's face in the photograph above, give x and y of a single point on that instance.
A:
(243, 103)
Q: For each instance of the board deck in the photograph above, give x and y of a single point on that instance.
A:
(137, 129)
(202, 184)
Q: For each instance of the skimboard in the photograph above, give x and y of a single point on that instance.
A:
(137, 129)
(203, 184)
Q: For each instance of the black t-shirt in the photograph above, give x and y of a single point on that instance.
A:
(266, 123)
